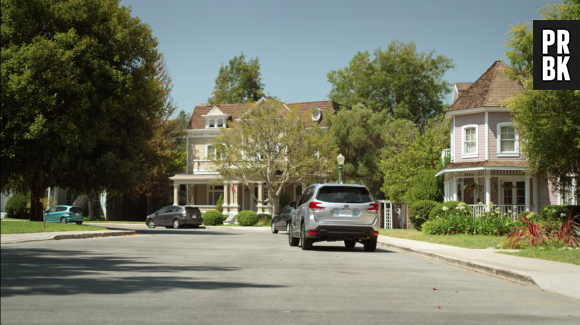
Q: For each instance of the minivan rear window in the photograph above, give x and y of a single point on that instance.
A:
(76, 210)
(343, 194)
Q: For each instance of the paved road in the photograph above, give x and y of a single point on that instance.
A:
(203, 276)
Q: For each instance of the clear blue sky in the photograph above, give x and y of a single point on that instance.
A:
(299, 42)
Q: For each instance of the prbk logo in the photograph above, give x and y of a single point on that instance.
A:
(556, 54)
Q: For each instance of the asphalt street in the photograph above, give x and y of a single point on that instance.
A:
(215, 276)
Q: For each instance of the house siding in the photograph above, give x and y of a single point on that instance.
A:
(462, 120)
(546, 194)
(493, 120)
(197, 147)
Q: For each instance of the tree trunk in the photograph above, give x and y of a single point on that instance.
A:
(275, 203)
(37, 190)
(149, 204)
(91, 201)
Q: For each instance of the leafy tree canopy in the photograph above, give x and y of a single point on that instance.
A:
(79, 93)
(237, 82)
(361, 135)
(405, 163)
(548, 121)
(403, 82)
(274, 144)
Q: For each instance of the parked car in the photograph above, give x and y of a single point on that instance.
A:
(64, 214)
(335, 212)
(280, 220)
(175, 216)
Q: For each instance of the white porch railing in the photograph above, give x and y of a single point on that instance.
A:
(508, 209)
(202, 165)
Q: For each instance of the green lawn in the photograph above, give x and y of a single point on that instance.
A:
(550, 254)
(465, 241)
(9, 227)
(130, 222)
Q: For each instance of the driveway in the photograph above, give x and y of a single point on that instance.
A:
(215, 276)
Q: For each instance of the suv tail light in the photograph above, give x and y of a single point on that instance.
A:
(314, 206)
(68, 213)
(374, 208)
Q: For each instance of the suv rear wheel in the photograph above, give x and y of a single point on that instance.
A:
(291, 240)
(370, 244)
(305, 243)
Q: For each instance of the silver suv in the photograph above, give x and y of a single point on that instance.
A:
(333, 212)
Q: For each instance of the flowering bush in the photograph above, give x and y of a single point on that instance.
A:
(450, 208)
(462, 224)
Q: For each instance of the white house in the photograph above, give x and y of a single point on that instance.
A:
(202, 186)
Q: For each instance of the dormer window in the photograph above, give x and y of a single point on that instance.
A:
(507, 140)
(469, 145)
(215, 118)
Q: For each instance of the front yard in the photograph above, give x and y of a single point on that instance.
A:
(464, 241)
(571, 256)
(23, 227)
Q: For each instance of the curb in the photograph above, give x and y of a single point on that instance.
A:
(494, 271)
(75, 236)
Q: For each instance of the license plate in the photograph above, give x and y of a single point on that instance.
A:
(345, 213)
(77, 214)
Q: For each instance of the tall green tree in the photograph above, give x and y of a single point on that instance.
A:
(400, 80)
(361, 135)
(78, 92)
(276, 145)
(548, 121)
(239, 81)
(406, 163)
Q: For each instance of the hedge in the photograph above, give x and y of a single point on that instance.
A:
(264, 219)
(212, 218)
(419, 212)
(462, 224)
(18, 206)
(560, 212)
(247, 218)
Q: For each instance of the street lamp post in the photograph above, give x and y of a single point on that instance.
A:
(340, 161)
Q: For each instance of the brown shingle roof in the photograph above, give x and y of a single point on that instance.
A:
(491, 89)
(487, 163)
(235, 110)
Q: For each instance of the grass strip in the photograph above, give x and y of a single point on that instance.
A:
(460, 240)
(26, 227)
(571, 256)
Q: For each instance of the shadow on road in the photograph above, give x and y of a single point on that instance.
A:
(180, 231)
(358, 249)
(60, 272)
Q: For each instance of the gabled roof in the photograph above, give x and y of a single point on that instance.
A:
(234, 111)
(215, 111)
(490, 90)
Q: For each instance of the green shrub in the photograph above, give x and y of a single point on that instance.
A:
(560, 212)
(18, 206)
(212, 218)
(247, 218)
(264, 219)
(450, 208)
(462, 224)
(426, 187)
(419, 212)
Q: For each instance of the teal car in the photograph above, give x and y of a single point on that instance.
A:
(64, 214)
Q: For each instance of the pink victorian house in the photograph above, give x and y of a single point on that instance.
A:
(486, 163)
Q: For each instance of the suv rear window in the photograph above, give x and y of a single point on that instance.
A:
(343, 194)
(76, 210)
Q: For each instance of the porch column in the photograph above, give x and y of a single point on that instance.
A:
(175, 194)
(454, 189)
(304, 186)
(487, 191)
(535, 194)
(226, 206)
(527, 195)
(260, 198)
(192, 194)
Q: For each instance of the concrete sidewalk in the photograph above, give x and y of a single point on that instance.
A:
(40, 236)
(560, 278)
